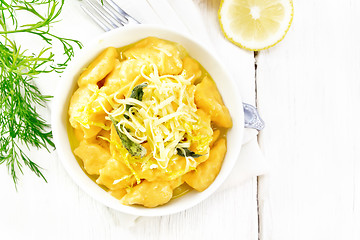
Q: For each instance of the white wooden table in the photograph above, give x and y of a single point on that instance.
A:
(308, 92)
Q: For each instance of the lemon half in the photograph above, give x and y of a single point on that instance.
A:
(255, 24)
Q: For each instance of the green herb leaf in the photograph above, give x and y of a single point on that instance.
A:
(20, 124)
(185, 152)
(137, 93)
(133, 148)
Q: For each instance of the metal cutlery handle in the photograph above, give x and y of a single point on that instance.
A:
(252, 118)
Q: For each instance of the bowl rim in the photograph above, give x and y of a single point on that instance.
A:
(61, 102)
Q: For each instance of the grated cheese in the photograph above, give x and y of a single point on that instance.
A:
(166, 118)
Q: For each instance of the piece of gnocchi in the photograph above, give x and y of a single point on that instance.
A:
(78, 101)
(90, 131)
(208, 98)
(215, 137)
(87, 111)
(177, 182)
(149, 194)
(123, 75)
(163, 54)
(79, 134)
(118, 194)
(99, 68)
(93, 156)
(101, 139)
(116, 175)
(130, 69)
(206, 172)
(191, 69)
(112, 81)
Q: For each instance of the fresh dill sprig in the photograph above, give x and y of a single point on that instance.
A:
(20, 124)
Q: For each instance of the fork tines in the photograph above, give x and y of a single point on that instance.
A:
(107, 14)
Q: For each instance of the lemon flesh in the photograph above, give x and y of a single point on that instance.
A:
(255, 24)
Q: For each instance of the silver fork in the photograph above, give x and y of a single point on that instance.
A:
(108, 15)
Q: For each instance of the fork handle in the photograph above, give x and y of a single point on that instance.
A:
(129, 18)
(252, 117)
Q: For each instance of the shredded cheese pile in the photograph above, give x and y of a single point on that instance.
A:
(165, 118)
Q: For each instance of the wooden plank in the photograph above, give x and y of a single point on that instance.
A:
(308, 93)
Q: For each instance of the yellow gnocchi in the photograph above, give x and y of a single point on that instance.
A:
(93, 156)
(165, 55)
(149, 194)
(206, 172)
(191, 69)
(208, 98)
(99, 68)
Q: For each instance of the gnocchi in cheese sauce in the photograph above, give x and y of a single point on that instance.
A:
(147, 123)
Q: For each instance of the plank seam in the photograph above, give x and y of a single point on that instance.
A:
(257, 178)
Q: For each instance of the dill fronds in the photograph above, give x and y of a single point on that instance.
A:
(20, 124)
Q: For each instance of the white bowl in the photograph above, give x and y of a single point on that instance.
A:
(121, 37)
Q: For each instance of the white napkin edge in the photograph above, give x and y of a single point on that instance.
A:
(249, 150)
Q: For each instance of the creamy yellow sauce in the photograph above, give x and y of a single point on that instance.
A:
(191, 115)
